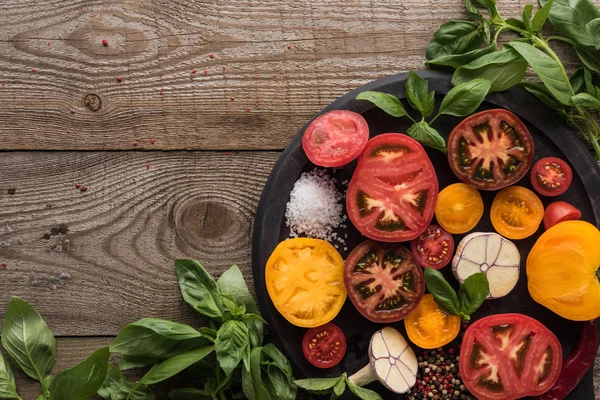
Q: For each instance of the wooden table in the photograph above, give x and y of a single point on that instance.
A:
(173, 145)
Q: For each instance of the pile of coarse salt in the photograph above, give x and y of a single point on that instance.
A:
(315, 208)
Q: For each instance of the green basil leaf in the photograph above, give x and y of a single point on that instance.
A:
(278, 358)
(232, 339)
(542, 94)
(487, 35)
(465, 98)
(456, 60)
(548, 70)
(589, 57)
(189, 394)
(83, 380)
(504, 69)
(578, 80)
(516, 22)
(128, 362)
(28, 340)
(8, 386)
(541, 16)
(232, 283)
(252, 383)
(317, 385)
(589, 83)
(362, 393)
(471, 9)
(454, 37)
(490, 5)
(174, 365)
(338, 389)
(586, 100)
(473, 292)
(116, 387)
(571, 18)
(428, 136)
(255, 332)
(417, 94)
(594, 28)
(40, 397)
(443, 294)
(527, 11)
(385, 101)
(198, 288)
(280, 384)
(208, 333)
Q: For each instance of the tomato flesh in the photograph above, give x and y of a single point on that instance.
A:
(335, 138)
(383, 281)
(433, 248)
(509, 356)
(391, 196)
(490, 150)
(324, 346)
(559, 211)
(516, 212)
(459, 208)
(551, 176)
(429, 327)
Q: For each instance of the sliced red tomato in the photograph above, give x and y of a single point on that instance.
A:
(324, 346)
(433, 248)
(559, 211)
(335, 138)
(490, 150)
(551, 176)
(383, 281)
(391, 196)
(509, 356)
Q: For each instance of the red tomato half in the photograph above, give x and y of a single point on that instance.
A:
(551, 176)
(509, 356)
(391, 196)
(559, 211)
(335, 138)
(324, 346)
(433, 248)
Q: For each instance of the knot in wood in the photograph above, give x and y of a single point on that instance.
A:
(93, 102)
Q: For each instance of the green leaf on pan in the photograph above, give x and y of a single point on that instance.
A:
(338, 389)
(454, 37)
(280, 384)
(418, 95)
(541, 16)
(527, 11)
(465, 98)
(116, 387)
(231, 343)
(8, 386)
(548, 70)
(504, 69)
(174, 365)
(456, 60)
(362, 393)
(543, 95)
(443, 294)
(428, 136)
(28, 340)
(473, 292)
(385, 101)
(83, 380)
(198, 288)
(571, 17)
(586, 100)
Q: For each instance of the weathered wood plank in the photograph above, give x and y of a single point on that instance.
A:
(93, 261)
(292, 57)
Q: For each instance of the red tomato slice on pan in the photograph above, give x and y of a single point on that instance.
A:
(335, 138)
(324, 346)
(391, 196)
(509, 356)
(551, 176)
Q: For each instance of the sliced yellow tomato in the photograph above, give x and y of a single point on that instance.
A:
(305, 280)
(459, 208)
(563, 270)
(429, 327)
(516, 212)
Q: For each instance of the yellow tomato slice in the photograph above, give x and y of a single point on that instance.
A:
(429, 327)
(516, 212)
(459, 208)
(563, 270)
(305, 280)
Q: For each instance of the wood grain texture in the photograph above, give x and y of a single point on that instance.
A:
(293, 57)
(91, 262)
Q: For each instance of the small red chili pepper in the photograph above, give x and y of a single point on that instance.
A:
(104, 42)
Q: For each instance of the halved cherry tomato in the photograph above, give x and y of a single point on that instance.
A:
(509, 356)
(516, 212)
(490, 150)
(384, 282)
(429, 327)
(559, 211)
(551, 176)
(459, 208)
(324, 346)
(335, 138)
(433, 248)
(305, 281)
(391, 196)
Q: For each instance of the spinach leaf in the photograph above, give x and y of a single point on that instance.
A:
(589, 57)
(548, 70)
(504, 69)
(454, 37)
(28, 340)
(174, 365)
(198, 288)
(362, 393)
(318, 385)
(543, 95)
(279, 384)
(418, 95)
(456, 60)
(571, 18)
(231, 343)
(8, 386)
(527, 11)
(540, 17)
(232, 284)
(188, 394)
(422, 132)
(83, 380)
(385, 101)
(116, 387)
(443, 294)
(586, 100)
(465, 98)
(473, 292)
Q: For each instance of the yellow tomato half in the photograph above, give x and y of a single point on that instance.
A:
(429, 327)
(305, 280)
(459, 208)
(516, 212)
(563, 270)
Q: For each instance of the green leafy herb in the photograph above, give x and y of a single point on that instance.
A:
(443, 294)
(189, 394)
(473, 292)
(8, 386)
(362, 393)
(527, 11)
(320, 385)
(83, 380)
(232, 283)
(456, 60)
(198, 288)
(116, 387)
(387, 102)
(571, 17)
(422, 132)
(586, 100)
(231, 343)
(540, 17)
(465, 98)
(418, 95)
(174, 365)
(455, 37)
